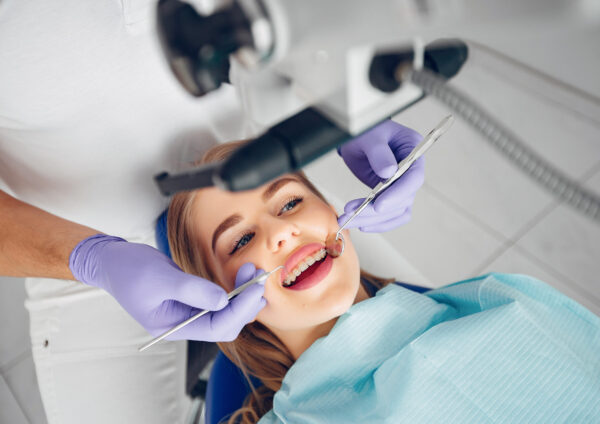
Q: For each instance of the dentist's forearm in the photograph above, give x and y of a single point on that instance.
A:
(35, 243)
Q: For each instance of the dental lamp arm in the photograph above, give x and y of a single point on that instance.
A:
(286, 147)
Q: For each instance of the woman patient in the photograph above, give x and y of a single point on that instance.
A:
(484, 350)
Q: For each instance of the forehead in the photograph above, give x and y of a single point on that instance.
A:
(213, 195)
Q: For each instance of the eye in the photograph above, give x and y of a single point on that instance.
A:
(241, 242)
(290, 204)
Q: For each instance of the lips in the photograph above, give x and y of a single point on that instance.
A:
(295, 258)
(310, 265)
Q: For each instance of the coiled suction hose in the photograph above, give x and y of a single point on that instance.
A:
(508, 143)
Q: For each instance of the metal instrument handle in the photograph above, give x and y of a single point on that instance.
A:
(230, 296)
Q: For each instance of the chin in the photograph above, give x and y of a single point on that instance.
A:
(343, 301)
(342, 308)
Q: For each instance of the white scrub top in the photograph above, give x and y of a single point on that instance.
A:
(90, 112)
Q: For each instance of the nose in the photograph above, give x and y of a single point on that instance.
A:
(279, 232)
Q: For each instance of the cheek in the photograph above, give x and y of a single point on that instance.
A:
(279, 311)
(230, 267)
(319, 218)
(225, 272)
(230, 273)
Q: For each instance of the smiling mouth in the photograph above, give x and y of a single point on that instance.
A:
(305, 268)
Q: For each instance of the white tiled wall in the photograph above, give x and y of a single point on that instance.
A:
(568, 244)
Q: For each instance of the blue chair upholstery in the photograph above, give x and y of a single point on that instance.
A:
(162, 242)
(226, 391)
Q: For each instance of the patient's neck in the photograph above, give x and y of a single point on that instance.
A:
(297, 341)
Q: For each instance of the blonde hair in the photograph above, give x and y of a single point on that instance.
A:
(256, 350)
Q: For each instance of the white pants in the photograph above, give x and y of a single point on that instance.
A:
(88, 366)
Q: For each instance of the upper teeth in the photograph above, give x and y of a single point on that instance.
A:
(303, 266)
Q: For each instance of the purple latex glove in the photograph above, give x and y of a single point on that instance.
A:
(373, 156)
(159, 295)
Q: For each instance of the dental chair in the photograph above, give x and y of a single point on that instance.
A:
(226, 388)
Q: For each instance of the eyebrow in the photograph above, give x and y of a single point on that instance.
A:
(236, 218)
(276, 185)
(224, 226)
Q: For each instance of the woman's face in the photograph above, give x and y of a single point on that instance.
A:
(280, 223)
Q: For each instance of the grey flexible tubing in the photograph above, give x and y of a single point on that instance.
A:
(509, 144)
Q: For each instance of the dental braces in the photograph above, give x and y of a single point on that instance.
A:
(303, 265)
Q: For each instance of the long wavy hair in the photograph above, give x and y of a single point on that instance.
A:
(256, 350)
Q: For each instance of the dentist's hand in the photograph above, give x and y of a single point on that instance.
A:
(159, 295)
(373, 157)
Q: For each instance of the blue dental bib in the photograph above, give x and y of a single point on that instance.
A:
(495, 349)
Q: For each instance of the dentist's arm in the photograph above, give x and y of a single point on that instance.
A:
(35, 243)
(147, 284)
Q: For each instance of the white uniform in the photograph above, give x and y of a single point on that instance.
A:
(89, 112)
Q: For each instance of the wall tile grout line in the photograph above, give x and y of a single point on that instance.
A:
(541, 95)
(16, 401)
(507, 243)
(550, 270)
(465, 212)
(511, 242)
(590, 173)
(556, 273)
(519, 235)
(16, 360)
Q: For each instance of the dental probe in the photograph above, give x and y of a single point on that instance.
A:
(335, 246)
(230, 295)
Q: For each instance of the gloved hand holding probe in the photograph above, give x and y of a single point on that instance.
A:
(373, 156)
(159, 295)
